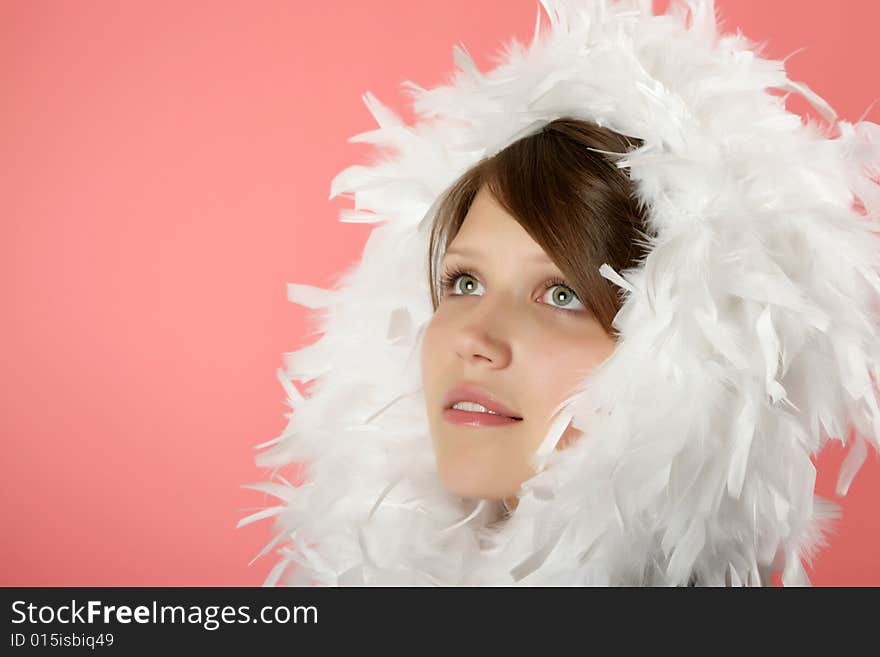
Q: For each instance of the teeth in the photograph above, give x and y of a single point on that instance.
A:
(472, 406)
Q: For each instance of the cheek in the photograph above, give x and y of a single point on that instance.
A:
(557, 365)
(434, 352)
(435, 357)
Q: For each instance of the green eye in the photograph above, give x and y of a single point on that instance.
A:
(458, 283)
(466, 284)
(563, 295)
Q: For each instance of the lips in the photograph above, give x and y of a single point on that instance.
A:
(473, 393)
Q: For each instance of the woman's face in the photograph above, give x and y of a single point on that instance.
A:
(506, 328)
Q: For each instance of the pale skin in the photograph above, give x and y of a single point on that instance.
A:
(507, 327)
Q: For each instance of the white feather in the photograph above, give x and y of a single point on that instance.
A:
(748, 335)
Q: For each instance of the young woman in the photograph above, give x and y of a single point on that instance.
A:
(650, 294)
(521, 314)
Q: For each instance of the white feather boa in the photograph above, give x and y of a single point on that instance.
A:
(747, 340)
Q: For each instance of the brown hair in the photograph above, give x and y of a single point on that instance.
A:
(573, 201)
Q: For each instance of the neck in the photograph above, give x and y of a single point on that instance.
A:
(509, 504)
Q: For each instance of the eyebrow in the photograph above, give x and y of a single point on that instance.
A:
(465, 251)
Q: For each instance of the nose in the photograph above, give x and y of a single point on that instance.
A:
(483, 337)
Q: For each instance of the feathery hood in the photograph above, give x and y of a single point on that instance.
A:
(748, 337)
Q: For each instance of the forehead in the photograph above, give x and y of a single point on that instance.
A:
(489, 230)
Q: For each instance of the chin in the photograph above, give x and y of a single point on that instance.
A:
(469, 479)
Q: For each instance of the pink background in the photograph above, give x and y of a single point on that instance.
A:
(165, 172)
